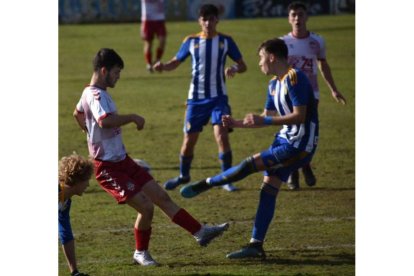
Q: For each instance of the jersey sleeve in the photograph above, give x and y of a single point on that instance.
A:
(100, 106)
(79, 106)
(322, 49)
(270, 103)
(301, 89)
(233, 52)
(184, 50)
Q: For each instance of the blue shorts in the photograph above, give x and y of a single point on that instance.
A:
(282, 159)
(199, 113)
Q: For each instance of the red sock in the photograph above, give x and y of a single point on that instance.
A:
(148, 57)
(142, 238)
(160, 51)
(186, 221)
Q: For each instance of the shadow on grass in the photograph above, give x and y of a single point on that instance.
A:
(174, 168)
(320, 259)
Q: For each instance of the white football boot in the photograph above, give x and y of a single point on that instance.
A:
(144, 258)
(207, 233)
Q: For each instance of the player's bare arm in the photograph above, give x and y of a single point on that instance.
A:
(229, 121)
(169, 66)
(239, 67)
(327, 76)
(80, 119)
(298, 116)
(267, 112)
(116, 120)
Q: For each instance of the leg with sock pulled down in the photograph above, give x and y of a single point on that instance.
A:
(246, 167)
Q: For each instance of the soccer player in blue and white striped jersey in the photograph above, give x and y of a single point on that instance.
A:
(290, 95)
(207, 96)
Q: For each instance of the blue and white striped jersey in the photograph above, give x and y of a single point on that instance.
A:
(208, 57)
(294, 89)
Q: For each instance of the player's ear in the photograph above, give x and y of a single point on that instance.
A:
(103, 70)
(272, 58)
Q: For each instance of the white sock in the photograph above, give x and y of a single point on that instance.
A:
(252, 240)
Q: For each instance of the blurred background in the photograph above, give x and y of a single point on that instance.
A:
(97, 11)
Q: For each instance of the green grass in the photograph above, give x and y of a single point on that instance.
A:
(313, 232)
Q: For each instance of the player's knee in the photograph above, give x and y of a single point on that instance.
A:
(248, 165)
(147, 209)
(163, 199)
(269, 189)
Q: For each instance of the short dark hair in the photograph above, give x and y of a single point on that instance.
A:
(275, 46)
(207, 10)
(297, 5)
(107, 58)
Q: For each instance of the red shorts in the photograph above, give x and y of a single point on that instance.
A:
(151, 28)
(122, 180)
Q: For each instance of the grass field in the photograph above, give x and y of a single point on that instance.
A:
(313, 232)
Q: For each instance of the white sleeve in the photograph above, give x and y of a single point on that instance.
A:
(79, 106)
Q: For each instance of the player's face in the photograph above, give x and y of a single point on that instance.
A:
(264, 62)
(112, 76)
(208, 24)
(81, 187)
(298, 18)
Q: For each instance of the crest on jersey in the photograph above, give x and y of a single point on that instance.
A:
(97, 95)
(313, 45)
(221, 45)
(196, 46)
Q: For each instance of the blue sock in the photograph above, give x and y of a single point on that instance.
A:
(235, 173)
(265, 211)
(185, 165)
(225, 160)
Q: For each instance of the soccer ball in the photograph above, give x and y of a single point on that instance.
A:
(143, 164)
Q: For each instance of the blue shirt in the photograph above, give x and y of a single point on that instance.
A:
(208, 57)
(65, 228)
(294, 89)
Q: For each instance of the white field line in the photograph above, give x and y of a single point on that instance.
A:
(172, 225)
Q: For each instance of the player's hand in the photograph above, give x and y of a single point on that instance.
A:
(139, 121)
(253, 120)
(339, 98)
(228, 121)
(158, 66)
(230, 72)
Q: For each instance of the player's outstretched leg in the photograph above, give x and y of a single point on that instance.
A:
(233, 174)
(252, 250)
(195, 188)
(208, 233)
(226, 160)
